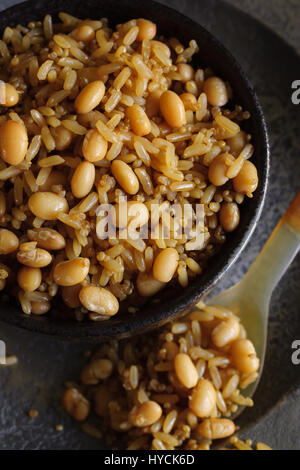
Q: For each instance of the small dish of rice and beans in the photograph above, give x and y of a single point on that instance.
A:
(92, 116)
(178, 388)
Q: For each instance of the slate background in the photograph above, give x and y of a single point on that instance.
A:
(36, 382)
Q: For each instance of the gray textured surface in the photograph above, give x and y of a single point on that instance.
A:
(36, 383)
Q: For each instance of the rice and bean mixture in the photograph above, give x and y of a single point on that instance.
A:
(88, 116)
(175, 389)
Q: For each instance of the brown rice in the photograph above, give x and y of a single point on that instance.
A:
(143, 372)
(48, 68)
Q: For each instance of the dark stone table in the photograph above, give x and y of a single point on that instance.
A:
(44, 364)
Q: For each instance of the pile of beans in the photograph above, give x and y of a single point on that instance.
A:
(177, 388)
(90, 116)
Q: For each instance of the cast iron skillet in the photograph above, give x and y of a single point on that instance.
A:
(175, 302)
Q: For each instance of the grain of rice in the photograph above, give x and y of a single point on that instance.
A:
(30, 180)
(158, 445)
(183, 186)
(230, 386)
(262, 446)
(70, 62)
(122, 78)
(215, 377)
(53, 122)
(179, 136)
(197, 352)
(86, 204)
(221, 402)
(110, 265)
(37, 117)
(115, 251)
(242, 401)
(101, 37)
(139, 261)
(4, 51)
(79, 54)
(48, 27)
(107, 133)
(70, 220)
(134, 377)
(248, 380)
(112, 101)
(171, 173)
(196, 149)
(103, 50)
(191, 87)
(25, 303)
(15, 117)
(227, 124)
(182, 276)
(57, 97)
(18, 195)
(70, 80)
(51, 161)
(44, 69)
(169, 421)
(73, 126)
(179, 328)
(142, 153)
(115, 120)
(216, 311)
(107, 69)
(47, 138)
(149, 146)
(145, 180)
(62, 40)
(193, 265)
(201, 107)
(127, 100)
(104, 278)
(131, 36)
(236, 166)
(96, 24)
(46, 111)
(141, 68)
(161, 55)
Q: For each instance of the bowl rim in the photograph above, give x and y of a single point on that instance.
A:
(98, 332)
